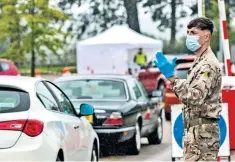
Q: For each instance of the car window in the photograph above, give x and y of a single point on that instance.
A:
(4, 66)
(46, 97)
(143, 89)
(137, 91)
(13, 100)
(65, 103)
(101, 89)
(181, 73)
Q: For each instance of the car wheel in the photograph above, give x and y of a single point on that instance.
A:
(58, 158)
(167, 116)
(135, 143)
(161, 86)
(94, 156)
(157, 135)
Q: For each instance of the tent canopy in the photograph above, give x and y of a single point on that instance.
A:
(113, 50)
(122, 35)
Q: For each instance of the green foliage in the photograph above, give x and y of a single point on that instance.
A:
(101, 15)
(30, 26)
(161, 13)
(179, 48)
(48, 69)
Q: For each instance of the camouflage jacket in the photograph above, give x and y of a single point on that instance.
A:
(200, 91)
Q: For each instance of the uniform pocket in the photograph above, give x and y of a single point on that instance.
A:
(209, 137)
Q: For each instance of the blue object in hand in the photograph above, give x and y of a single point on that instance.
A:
(167, 68)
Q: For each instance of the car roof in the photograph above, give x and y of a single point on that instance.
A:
(184, 65)
(180, 56)
(20, 82)
(5, 60)
(94, 76)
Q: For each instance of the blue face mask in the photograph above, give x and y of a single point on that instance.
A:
(192, 42)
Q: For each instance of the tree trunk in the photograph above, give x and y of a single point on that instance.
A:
(173, 22)
(227, 3)
(32, 45)
(132, 14)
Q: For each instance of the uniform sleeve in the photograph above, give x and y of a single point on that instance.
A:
(200, 87)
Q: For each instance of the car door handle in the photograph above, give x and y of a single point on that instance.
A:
(76, 127)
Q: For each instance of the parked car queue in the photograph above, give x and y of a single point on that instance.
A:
(124, 113)
(70, 119)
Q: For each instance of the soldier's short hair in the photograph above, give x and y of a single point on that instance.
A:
(202, 23)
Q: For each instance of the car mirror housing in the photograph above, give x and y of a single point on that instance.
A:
(86, 110)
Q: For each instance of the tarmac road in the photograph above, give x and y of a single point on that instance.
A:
(161, 152)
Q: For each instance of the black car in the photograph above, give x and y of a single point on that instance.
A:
(123, 111)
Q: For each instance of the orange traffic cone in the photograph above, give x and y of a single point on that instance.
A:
(66, 71)
(38, 73)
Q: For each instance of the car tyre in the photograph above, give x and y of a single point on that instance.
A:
(161, 86)
(58, 158)
(167, 116)
(94, 155)
(157, 135)
(135, 143)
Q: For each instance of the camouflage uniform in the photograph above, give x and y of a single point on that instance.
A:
(200, 93)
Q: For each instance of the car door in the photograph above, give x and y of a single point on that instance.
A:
(56, 124)
(142, 104)
(152, 113)
(76, 126)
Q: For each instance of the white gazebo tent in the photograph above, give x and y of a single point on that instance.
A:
(112, 50)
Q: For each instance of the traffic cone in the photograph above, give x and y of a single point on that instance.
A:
(38, 74)
(66, 71)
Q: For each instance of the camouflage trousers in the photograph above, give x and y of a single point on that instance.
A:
(201, 143)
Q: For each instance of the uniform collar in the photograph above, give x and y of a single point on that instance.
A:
(204, 54)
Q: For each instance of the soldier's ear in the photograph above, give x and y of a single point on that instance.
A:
(208, 36)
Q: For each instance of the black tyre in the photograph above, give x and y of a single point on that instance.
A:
(157, 135)
(161, 86)
(58, 158)
(168, 116)
(135, 143)
(94, 154)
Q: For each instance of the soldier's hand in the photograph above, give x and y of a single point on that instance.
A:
(167, 68)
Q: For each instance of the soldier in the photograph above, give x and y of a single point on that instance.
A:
(200, 93)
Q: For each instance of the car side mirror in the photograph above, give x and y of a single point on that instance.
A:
(157, 93)
(86, 110)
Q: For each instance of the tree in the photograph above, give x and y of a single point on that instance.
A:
(30, 28)
(11, 30)
(100, 15)
(166, 18)
(132, 14)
